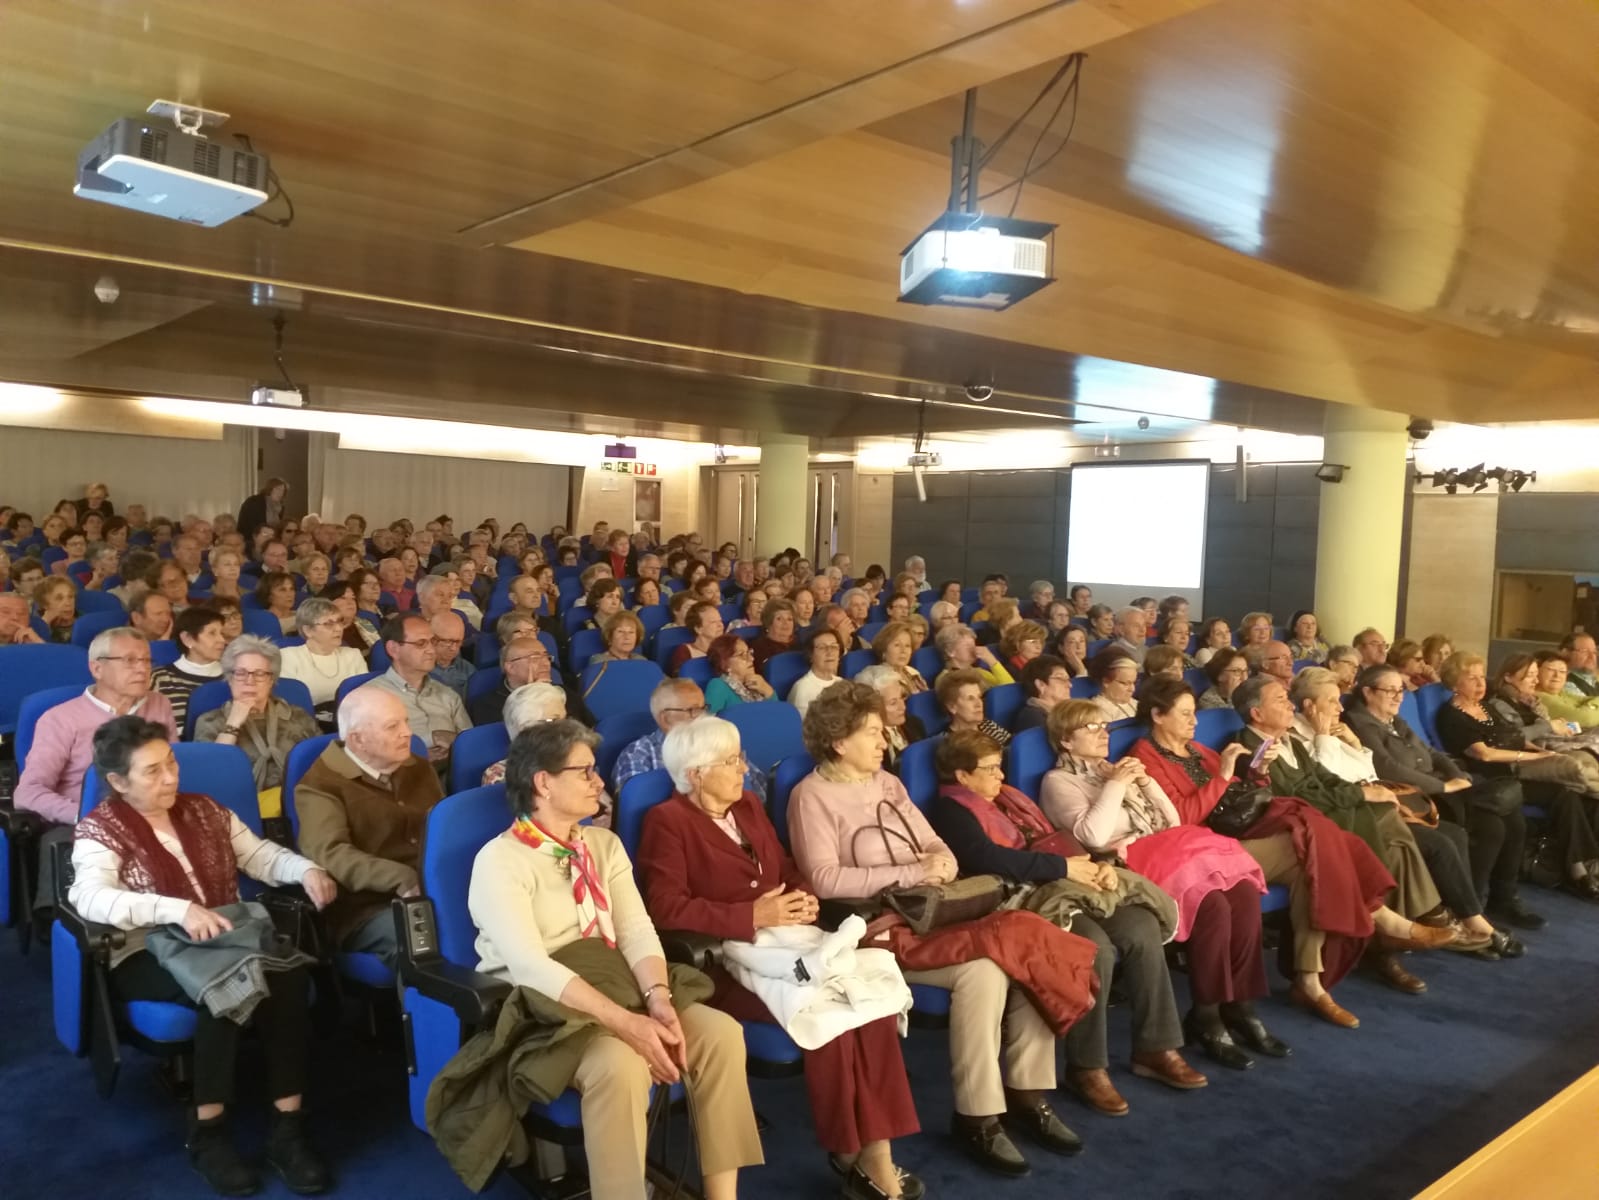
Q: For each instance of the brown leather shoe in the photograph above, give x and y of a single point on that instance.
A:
(1168, 1067)
(1325, 1007)
(1096, 1090)
(1391, 971)
(1422, 937)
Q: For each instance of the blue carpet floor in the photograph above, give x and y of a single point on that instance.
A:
(1375, 1113)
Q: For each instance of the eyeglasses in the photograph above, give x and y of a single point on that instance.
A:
(735, 760)
(418, 645)
(1092, 727)
(242, 676)
(588, 770)
(988, 768)
(1389, 691)
(132, 660)
(445, 643)
(690, 713)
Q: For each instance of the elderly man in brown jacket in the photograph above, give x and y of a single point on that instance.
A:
(363, 806)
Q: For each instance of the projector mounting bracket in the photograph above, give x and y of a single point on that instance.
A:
(189, 118)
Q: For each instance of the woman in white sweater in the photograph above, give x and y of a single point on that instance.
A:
(323, 662)
(549, 881)
(826, 651)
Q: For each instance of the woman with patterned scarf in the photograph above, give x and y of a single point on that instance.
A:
(549, 882)
(148, 856)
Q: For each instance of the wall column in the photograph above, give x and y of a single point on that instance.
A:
(784, 496)
(1362, 520)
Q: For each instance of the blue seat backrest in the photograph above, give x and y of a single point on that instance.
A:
(640, 794)
(379, 656)
(1216, 726)
(924, 707)
(163, 654)
(618, 687)
(1084, 688)
(483, 681)
(1428, 701)
(787, 776)
(1301, 663)
(1028, 759)
(457, 828)
(1196, 678)
(969, 595)
(871, 629)
(784, 670)
(34, 706)
(698, 670)
(258, 621)
(586, 643)
(1123, 734)
(299, 761)
(617, 732)
(474, 751)
(653, 616)
(573, 619)
(100, 602)
(353, 682)
(1411, 712)
(1098, 644)
(568, 592)
(730, 613)
(769, 731)
(928, 661)
(668, 640)
(221, 772)
(27, 669)
(918, 772)
(89, 624)
(215, 694)
(1002, 703)
(487, 651)
(855, 662)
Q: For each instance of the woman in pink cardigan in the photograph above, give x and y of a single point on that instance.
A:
(1117, 808)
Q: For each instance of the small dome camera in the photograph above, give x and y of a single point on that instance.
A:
(979, 392)
(106, 290)
(1418, 429)
(1143, 422)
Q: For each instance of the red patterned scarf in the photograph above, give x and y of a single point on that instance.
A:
(1010, 819)
(577, 863)
(202, 826)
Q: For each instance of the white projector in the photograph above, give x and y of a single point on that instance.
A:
(139, 164)
(972, 261)
(278, 396)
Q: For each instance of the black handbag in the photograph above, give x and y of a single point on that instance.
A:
(1240, 807)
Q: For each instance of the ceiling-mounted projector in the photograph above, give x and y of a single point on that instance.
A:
(973, 261)
(171, 172)
(278, 395)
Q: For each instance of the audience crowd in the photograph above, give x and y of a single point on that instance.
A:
(1400, 794)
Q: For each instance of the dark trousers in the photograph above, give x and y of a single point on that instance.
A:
(1224, 958)
(1447, 850)
(281, 1021)
(1568, 820)
(1134, 932)
(1495, 845)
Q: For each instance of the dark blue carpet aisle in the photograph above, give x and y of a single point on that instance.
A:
(1376, 1113)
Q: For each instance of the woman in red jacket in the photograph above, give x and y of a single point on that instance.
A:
(710, 863)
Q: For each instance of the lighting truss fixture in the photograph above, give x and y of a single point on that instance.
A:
(1476, 478)
(1331, 472)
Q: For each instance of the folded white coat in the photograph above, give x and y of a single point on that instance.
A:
(817, 984)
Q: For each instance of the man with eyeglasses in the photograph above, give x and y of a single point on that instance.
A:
(674, 702)
(436, 714)
(14, 627)
(63, 740)
(1372, 648)
(450, 667)
(524, 660)
(1273, 659)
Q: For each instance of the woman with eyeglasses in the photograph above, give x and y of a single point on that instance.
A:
(993, 829)
(1117, 676)
(324, 661)
(264, 726)
(736, 681)
(1118, 809)
(780, 625)
(1336, 885)
(900, 728)
(1405, 656)
(529, 705)
(558, 913)
(825, 650)
(355, 630)
(711, 865)
(1225, 669)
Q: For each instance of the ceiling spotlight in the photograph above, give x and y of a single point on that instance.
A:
(1516, 480)
(1448, 480)
(1331, 472)
(1476, 478)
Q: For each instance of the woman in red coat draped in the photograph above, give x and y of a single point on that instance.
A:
(710, 863)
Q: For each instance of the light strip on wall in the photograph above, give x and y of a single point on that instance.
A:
(24, 399)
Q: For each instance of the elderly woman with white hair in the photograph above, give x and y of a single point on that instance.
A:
(958, 646)
(529, 705)
(711, 864)
(324, 661)
(558, 913)
(942, 613)
(264, 726)
(900, 729)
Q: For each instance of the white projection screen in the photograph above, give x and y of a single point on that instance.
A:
(1138, 528)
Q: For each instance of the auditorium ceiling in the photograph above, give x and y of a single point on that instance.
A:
(685, 219)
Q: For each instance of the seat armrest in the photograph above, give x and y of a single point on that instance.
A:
(19, 823)
(698, 950)
(475, 997)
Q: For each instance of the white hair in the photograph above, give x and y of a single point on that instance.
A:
(357, 708)
(101, 646)
(942, 609)
(532, 704)
(878, 675)
(696, 744)
(429, 584)
(915, 560)
(666, 692)
(843, 601)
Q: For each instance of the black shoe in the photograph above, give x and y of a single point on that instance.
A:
(1586, 888)
(988, 1145)
(1218, 1045)
(910, 1187)
(1512, 911)
(290, 1154)
(1504, 946)
(211, 1153)
(1249, 1029)
(1042, 1125)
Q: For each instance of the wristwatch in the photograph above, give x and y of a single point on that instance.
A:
(231, 730)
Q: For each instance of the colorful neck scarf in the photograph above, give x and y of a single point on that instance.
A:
(577, 864)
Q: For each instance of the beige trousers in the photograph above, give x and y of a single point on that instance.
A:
(1414, 891)
(990, 1019)
(615, 1085)
(1280, 864)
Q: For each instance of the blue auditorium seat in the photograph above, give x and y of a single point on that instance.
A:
(855, 662)
(1002, 703)
(215, 694)
(90, 624)
(1216, 726)
(928, 661)
(918, 772)
(667, 640)
(28, 669)
(585, 644)
(349, 685)
(100, 602)
(784, 670)
(697, 670)
(617, 732)
(1123, 736)
(1428, 701)
(34, 706)
(474, 751)
(1084, 688)
(925, 708)
(483, 681)
(769, 731)
(1028, 759)
(788, 774)
(617, 687)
